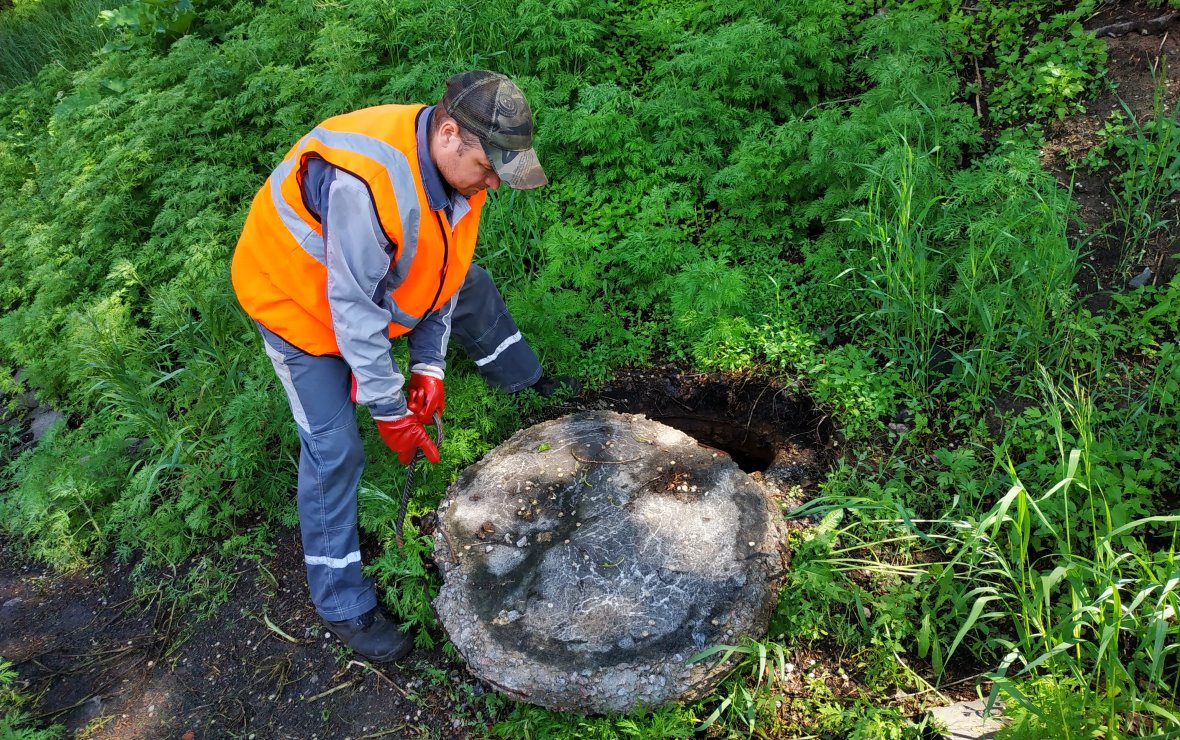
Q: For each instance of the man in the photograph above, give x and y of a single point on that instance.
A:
(365, 232)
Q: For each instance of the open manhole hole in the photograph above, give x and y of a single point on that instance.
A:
(765, 426)
(588, 558)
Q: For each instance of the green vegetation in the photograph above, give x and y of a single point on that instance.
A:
(34, 33)
(800, 188)
(15, 724)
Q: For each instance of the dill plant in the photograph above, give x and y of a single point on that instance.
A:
(15, 721)
(720, 167)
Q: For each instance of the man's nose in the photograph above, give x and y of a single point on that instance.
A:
(492, 180)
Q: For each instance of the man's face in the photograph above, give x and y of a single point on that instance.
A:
(465, 168)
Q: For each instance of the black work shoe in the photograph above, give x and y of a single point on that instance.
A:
(373, 636)
(548, 386)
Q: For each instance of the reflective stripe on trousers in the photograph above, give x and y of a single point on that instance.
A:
(489, 335)
(331, 454)
(331, 458)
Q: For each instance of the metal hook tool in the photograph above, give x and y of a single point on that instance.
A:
(418, 455)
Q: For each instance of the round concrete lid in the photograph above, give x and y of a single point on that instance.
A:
(587, 559)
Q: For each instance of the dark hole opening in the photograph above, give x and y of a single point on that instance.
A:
(763, 425)
(753, 449)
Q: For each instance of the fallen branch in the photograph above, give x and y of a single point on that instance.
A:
(98, 691)
(947, 685)
(929, 686)
(131, 645)
(978, 88)
(1155, 25)
(76, 704)
(827, 102)
(106, 657)
(333, 690)
(450, 545)
(603, 462)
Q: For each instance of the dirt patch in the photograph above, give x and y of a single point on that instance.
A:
(107, 662)
(1135, 61)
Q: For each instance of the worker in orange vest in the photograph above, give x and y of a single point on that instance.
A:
(365, 232)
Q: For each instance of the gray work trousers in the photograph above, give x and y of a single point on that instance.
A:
(331, 456)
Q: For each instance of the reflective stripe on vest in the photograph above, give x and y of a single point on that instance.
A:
(279, 267)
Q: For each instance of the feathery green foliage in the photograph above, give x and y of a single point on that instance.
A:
(798, 188)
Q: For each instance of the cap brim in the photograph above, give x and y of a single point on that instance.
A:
(519, 170)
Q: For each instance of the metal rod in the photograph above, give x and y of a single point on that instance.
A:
(418, 455)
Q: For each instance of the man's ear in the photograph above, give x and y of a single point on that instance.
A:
(447, 133)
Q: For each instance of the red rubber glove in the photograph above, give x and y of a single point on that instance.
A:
(405, 436)
(426, 397)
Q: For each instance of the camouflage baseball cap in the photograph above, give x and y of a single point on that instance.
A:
(493, 108)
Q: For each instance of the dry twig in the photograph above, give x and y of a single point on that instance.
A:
(979, 88)
(333, 690)
(384, 733)
(380, 675)
(603, 462)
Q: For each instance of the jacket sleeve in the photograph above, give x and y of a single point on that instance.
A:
(428, 341)
(358, 260)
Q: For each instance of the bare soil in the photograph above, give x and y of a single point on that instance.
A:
(107, 662)
(1136, 61)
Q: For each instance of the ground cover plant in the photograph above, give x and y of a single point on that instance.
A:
(848, 196)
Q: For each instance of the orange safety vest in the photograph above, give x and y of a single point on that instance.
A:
(279, 271)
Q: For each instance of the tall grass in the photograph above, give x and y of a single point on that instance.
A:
(973, 273)
(1101, 624)
(1150, 176)
(990, 307)
(34, 33)
(1058, 589)
(903, 276)
(1094, 613)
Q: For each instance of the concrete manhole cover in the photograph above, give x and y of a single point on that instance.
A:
(586, 559)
